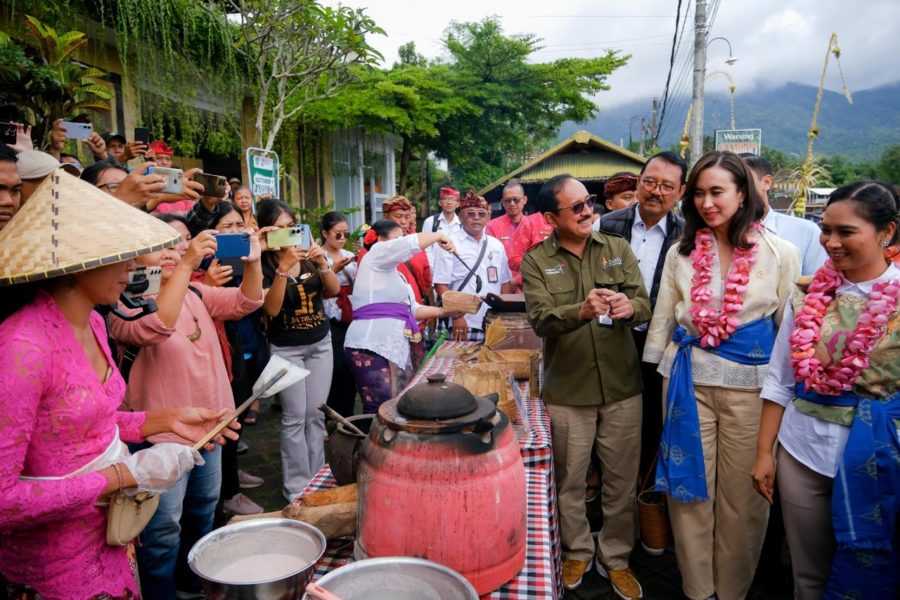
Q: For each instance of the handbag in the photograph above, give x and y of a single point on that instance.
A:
(127, 515)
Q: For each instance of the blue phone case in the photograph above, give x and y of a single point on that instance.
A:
(232, 245)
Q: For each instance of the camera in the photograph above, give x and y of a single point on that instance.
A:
(173, 178)
(142, 282)
(298, 235)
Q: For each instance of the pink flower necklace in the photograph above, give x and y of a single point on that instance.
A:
(839, 376)
(716, 326)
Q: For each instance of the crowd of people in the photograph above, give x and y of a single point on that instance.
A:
(677, 342)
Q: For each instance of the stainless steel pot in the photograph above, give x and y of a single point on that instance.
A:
(397, 578)
(263, 559)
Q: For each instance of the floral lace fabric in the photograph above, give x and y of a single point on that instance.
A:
(56, 416)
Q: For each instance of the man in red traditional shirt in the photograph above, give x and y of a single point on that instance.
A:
(533, 230)
(416, 270)
(504, 227)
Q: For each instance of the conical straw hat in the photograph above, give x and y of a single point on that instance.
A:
(68, 226)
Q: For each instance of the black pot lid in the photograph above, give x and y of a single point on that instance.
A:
(437, 399)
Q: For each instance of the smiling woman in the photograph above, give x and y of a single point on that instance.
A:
(722, 295)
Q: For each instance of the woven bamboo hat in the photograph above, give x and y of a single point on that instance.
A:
(69, 226)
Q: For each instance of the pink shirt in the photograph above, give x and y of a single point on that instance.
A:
(55, 417)
(171, 370)
(531, 231)
(180, 207)
(503, 229)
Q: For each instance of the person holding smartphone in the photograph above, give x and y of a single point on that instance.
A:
(297, 281)
(180, 363)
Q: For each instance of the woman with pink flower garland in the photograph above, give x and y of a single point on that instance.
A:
(723, 289)
(832, 398)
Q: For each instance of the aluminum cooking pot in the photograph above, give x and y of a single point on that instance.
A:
(397, 578)
(263, 559)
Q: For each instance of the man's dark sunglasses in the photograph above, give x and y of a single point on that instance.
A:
(577, 207)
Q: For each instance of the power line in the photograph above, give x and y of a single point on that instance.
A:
(683, 68)
(601, 16)
(602, 42)
(662, 116)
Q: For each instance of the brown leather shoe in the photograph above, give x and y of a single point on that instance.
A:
(623, 582)
(573, 572)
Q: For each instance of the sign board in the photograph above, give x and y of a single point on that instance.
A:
(739, 141)
(262, 167)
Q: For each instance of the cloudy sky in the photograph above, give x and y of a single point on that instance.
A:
(774, 40)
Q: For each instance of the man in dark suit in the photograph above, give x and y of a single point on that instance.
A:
(651, 227)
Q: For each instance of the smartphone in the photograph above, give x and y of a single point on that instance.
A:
(142, 135)
(232, 245)
(298, 235)
(173, 179)
(214, 186)
(143, 282)
(7, 133)
(77, 131)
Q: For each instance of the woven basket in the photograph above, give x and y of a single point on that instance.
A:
(656, 531)
(460, 302)
(518, 361)
(484, 379)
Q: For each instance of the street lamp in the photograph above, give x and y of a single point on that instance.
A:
(731, 57)
(630, 125)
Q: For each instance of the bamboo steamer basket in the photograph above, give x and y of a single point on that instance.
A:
(468, 304)
(482, 379)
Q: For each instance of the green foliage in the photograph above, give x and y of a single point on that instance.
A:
(45, 82)
(889, 165)
(519, 104)
(187, 129)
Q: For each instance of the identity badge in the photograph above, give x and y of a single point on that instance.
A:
(492, 275)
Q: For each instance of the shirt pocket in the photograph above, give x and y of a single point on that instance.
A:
(613, 279)
(562, 289)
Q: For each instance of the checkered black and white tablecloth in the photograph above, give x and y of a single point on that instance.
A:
(541, 576)
(538, 579)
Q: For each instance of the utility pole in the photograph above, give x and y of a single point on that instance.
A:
(654, 115)
(699, 79)
(643, 136)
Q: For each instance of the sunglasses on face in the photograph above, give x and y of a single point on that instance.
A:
(340, 235)
(578, 207)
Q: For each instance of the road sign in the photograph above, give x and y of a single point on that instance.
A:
(262, 166)
(739, 141)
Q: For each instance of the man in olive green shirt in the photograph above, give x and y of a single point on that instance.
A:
(584, 293)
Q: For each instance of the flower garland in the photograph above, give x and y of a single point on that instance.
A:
(838, 376)
(716, 326)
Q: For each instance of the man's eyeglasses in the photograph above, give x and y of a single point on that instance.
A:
(650, 185)
(577, 207)
(475, 214)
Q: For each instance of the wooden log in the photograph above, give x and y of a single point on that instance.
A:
(333, 511)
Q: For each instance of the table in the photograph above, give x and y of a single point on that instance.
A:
(541, 577)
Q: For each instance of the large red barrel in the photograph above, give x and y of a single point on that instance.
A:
(441, 478)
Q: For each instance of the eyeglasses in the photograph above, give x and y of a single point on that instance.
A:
(340, 235)
(577, 207)
(650, 184)
(475, 214)
(511, 200)
(109, 188)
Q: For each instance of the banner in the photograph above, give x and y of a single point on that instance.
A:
(262, 167)
(739, 141)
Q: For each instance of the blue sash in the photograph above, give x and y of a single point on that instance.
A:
(680, 471)
(864, 500)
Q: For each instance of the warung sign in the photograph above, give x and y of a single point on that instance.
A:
(739, 141)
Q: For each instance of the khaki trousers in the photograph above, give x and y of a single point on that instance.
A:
(616, 428)
(806, 505)
(718, 542)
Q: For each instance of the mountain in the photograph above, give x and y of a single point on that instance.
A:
(859, 131)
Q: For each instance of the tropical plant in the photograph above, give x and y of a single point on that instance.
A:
(46, 81)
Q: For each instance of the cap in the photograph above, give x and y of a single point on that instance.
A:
(69, 226)
(34, 164)
(396, 203)
(114, 136)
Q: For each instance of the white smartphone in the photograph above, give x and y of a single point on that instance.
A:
(77, 131)
(173, 178)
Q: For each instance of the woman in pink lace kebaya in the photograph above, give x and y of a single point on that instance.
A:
(59, 397)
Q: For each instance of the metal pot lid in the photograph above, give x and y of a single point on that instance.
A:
(438, 399)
